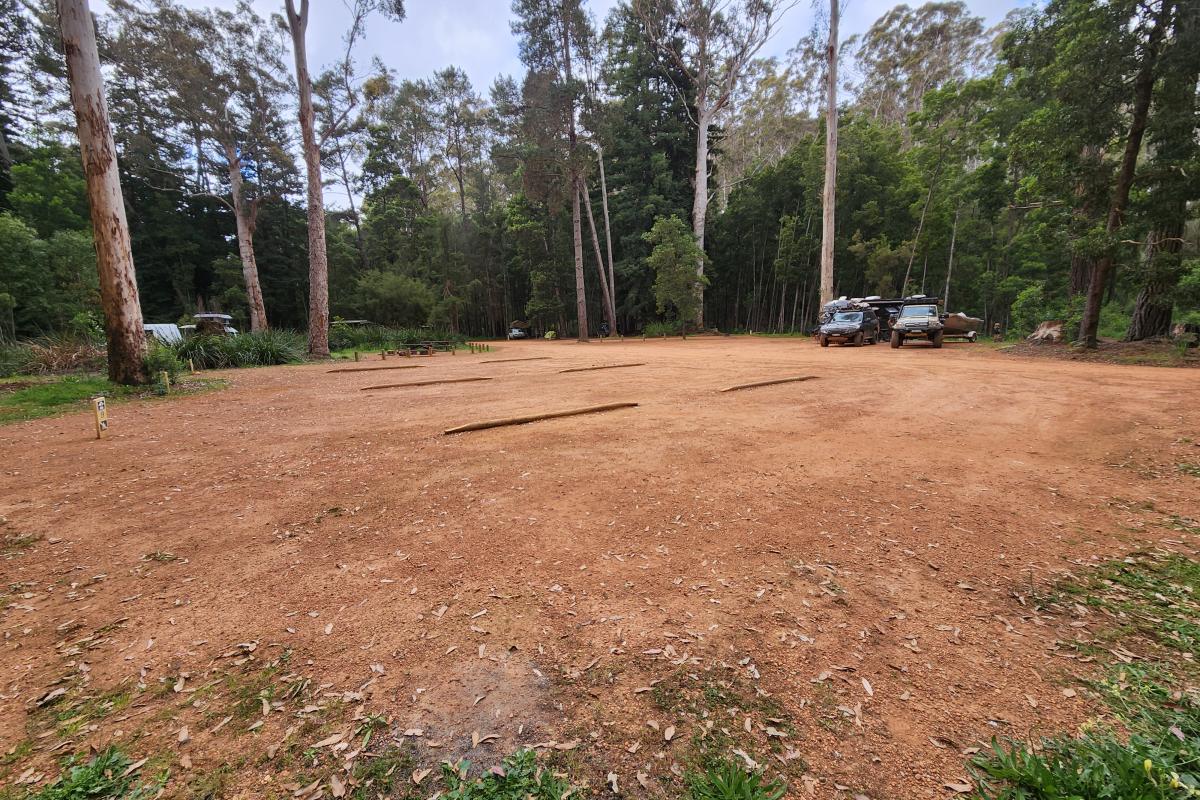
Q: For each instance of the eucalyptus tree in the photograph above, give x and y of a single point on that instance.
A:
(219, 75)
(123, 329)
(712, 42)
(296, 21)
(461, 122)
(555, 35)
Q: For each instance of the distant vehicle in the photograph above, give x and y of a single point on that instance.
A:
(519, 329)
(919, 316)
(212, 323)
(165, 332)
(854, 326)
(960, 326)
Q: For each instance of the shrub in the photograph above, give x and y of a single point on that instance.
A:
(63, 352)
(728, 781)
(259, 349)
(162, 358)
(14, 358)
(662, 328)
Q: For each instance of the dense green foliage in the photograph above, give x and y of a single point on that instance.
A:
(259, 349)
(980, 163)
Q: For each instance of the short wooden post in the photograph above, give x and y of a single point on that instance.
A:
(100, 409)
(383, 354)
(191, 367)
(165, 377)
(356, 355)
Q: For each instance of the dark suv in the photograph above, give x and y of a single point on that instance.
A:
(850, 325)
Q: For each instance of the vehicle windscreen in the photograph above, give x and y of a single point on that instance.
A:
(848, 316)
(918, 311)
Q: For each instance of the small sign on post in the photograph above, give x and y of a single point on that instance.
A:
(191, 366)
(101, 410)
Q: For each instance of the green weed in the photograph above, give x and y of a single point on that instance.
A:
(1148, 747)
(519, 778)
(107, 775)
(729, 781)
(1189, 469)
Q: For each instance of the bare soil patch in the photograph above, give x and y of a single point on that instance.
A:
(828, 578)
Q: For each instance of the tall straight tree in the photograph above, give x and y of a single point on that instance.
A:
(318, 257)
(1154, 27)
(552, 32)
(217, 71)
(712, 41)
(123, 330)
(829, 194)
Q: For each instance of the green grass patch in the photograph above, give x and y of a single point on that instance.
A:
(108, 775)
(519, 778)
(1189, 469)
(729, 781)
(1146, 743)
(46, 397)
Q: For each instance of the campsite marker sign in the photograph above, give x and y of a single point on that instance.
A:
(100, 407)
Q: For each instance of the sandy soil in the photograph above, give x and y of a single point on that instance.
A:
(832, 577)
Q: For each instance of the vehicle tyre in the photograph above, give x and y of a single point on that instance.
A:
(858, 339)
(824, 341)
(937, 339)
(971, 336)
(897, 339)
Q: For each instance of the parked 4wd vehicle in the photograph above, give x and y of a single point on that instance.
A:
(850, 325)
(919, 318)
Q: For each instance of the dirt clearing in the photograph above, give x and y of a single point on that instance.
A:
(830, 578)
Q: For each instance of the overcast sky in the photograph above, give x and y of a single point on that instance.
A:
(475, 34)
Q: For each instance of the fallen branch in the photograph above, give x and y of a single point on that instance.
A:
(510, 360)
(375, 369)
(421, 383)
(496, 423)
(603, 366)
(768, 383)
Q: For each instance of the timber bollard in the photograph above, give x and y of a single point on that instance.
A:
(356, 355)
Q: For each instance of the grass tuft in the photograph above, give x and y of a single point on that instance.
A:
(729, 781)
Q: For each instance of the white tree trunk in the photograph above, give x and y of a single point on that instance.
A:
(612, 275)
(950, 262)
(829, 195)
(244, 215)
(123, 329)
(318, 259)
(610, 308)
(700, 197)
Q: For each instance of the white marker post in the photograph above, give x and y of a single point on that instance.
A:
(101, 410)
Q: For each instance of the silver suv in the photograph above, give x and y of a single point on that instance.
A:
(917, 319)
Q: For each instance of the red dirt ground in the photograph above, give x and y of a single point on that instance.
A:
(846, 561)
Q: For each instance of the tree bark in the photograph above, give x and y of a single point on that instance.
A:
(573, 180)
(245, 216)
(1152, 312)
(123, 327)
(829, 193)
(610, 311)
(612, 275)
(950, 261)
(700, 198)
(1143, 89)
(318, 258)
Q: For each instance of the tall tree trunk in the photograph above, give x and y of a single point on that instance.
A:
(123, 329)
(355, 219)
(950, 261)
(1143, 89)
(612, 275)
(610, 309)
(573, 182)
(245, 216)
(700, 197)
(920, 227)
(318, 258)
(829, 193)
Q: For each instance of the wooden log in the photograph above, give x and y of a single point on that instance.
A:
(496, 423)
(602, 366)
(375, 369)
(771, 382)
(422, 383)
(510, 360)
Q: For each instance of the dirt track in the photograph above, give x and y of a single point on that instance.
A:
(860, 548)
